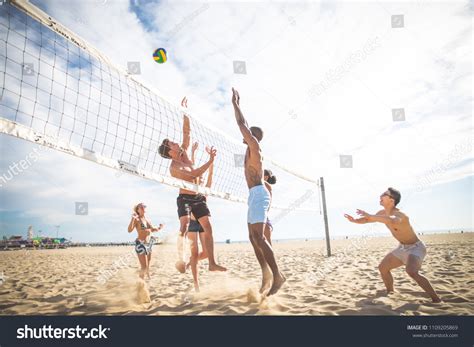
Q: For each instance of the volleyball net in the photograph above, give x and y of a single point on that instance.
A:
(59, 91)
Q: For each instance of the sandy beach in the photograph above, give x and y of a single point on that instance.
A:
(104, 281)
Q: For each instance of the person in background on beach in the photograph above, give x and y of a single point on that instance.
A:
(144, 241)
(258, 201)
(269, 179)
(411, 250)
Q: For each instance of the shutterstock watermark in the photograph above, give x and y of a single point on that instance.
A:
(330, 264)
(17, 168)
(441, 167)
(48, 332)
(293, 206)
(186, 20)
(121, 263)
(334, 75)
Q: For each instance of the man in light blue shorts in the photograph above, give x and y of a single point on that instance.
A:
(258, 203)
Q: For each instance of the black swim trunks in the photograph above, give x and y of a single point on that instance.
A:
(195, 227)
(195, 204)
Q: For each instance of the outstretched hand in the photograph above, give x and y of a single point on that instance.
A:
(211, 151)
(184, 102)
(349, 218)
(235, 97)
(362, 213)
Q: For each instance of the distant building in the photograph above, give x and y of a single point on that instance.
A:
(30, 233)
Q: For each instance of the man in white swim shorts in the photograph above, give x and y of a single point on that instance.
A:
(258, 202)
(411, 250)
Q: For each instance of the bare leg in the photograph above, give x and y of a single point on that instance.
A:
(257, 234)
(209, 244)
(142, 258)
(388, 263)
(268, 234)
(183, 229)
(193, 261)
(412, 268)
(267, 276)
(203, 253)
(148, 266)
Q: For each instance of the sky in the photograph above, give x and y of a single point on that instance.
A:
(322, 78)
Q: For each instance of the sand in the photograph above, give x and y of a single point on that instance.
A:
(104, 281)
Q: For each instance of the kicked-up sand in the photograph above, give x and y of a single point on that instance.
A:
(104, 281)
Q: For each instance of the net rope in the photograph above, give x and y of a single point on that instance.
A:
(59, 91)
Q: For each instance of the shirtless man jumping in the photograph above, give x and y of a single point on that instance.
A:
(188, 201)
(258, 202)
(411, 250)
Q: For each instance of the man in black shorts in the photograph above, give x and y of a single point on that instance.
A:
(189, 201)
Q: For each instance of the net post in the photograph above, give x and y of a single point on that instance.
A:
(325, 213)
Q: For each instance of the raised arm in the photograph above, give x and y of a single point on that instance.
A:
(202, 169)
(211, 170)
(241, 122)
(131, 225)
(193, 152)
(186, 126)
(209, 176)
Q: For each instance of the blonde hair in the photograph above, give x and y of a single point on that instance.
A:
(135, 207)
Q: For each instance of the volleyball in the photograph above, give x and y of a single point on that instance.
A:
(160, 55)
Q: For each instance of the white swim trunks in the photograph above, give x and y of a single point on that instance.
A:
(403, 251)
(258, 202)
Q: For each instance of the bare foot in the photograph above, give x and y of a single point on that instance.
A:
(267, 279)
(277, 283)
(216, 267)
